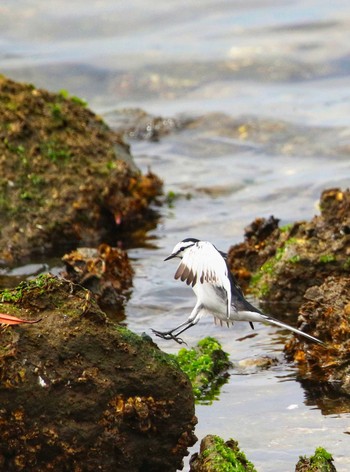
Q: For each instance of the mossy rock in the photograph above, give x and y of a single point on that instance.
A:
(80, 393)
(65, 176)
(321, 461)
(278, 264)
(207, 368)
(217, 455)
(305, 267)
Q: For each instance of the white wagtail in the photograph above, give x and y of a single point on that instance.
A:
(205, 268)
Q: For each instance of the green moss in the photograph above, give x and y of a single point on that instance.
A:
(170, 198)
(206, 366)
(259, 281)
(227, 457)
(326, 258)
(294, 259)
(15, 295)
(286, 228)
(66, 96)
(138, 342)
(322, 455)
(56, 110)
(36, 179)
(55, 151)
(10, 296)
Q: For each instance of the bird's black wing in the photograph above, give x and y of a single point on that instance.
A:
(237, 298)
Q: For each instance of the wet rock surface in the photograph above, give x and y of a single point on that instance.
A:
(135, 123)
(65, 177)
(207, 366)
(105, 271)
(79, 393)
(280, 264)
(306, 266)
(326, 310)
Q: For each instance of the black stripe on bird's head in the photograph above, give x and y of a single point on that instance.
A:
(181, 247)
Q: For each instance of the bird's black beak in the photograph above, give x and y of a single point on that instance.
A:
(170, 257)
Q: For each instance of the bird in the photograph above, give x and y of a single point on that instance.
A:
(203, 267)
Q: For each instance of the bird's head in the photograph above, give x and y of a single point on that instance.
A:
(181, 247)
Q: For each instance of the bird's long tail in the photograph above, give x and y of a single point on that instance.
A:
(275, 322)
(259, 316)
(291, 328)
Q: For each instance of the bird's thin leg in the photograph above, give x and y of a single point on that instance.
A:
(170, 334)
(189, 325)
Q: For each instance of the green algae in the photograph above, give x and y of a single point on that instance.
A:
(15, 295)
(206, 366)
(259, 282)
(326, 258)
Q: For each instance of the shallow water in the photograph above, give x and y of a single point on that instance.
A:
(270, 81)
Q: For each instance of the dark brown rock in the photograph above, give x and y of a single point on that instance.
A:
(79, 393)
(326, 310)
(65, 176)
(106, 271)
(281, 264)
(305, 267)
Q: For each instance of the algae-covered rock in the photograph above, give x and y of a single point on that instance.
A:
(321, 461)
(206, 366)
(217, 455)
(280, 264)
(64, 175)
(79, 393)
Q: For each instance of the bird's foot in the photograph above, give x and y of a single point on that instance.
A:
(168, 335)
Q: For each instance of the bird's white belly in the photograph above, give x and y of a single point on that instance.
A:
(211, 300)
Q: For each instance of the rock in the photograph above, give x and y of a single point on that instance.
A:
(106, 271)
(325, 311)
(306, 266)
(255, 364)
(216, 455)
(244, 259)
(137, 124)
(321, 461)
(64, 176)
(282, 264)
(207, 368)
(80, 393)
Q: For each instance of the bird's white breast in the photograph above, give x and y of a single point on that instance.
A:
(213, 299)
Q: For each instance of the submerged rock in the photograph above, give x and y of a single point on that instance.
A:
(217, 455)
(80, 393)
(64, 175)
(137, 124)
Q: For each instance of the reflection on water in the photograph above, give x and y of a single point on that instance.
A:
(262, 88)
